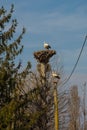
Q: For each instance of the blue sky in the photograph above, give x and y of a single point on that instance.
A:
(61, 23)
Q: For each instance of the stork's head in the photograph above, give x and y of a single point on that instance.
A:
(46, 45)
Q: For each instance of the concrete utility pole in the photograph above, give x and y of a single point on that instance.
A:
(56, 78)
(43, 58)
(56, 114)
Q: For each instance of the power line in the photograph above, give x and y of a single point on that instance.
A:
(66, 80)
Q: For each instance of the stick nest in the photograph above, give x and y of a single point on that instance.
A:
(43, 56)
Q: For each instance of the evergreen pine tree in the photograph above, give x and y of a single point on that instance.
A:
(9, 72)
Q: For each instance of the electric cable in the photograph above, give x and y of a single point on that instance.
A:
(66, 80)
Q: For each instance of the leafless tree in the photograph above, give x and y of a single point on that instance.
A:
(74, 109)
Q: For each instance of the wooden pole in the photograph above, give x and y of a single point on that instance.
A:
(56, 117)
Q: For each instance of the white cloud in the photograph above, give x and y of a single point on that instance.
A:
(47, 23)
(50, 22)
(37, 23)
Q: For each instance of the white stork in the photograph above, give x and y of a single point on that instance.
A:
(46, 45)
(55, 75)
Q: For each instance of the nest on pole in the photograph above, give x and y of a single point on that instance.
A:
(43, 56)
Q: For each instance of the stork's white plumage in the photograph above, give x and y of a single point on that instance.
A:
(46, 45)
(55, 75)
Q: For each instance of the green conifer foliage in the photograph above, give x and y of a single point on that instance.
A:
(9, 50)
